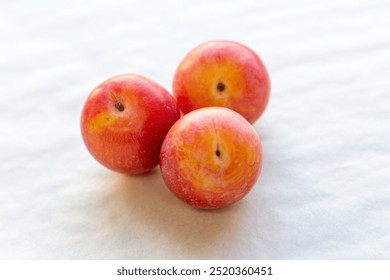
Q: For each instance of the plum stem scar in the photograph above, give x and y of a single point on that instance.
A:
(218, 152)
(220, 87)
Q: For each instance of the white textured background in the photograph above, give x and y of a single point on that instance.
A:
(324, 192)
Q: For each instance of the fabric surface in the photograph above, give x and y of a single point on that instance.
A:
(324, 191)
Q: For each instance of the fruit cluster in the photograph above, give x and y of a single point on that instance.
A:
(202, 136)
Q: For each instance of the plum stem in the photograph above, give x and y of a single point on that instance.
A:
(118, 105)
